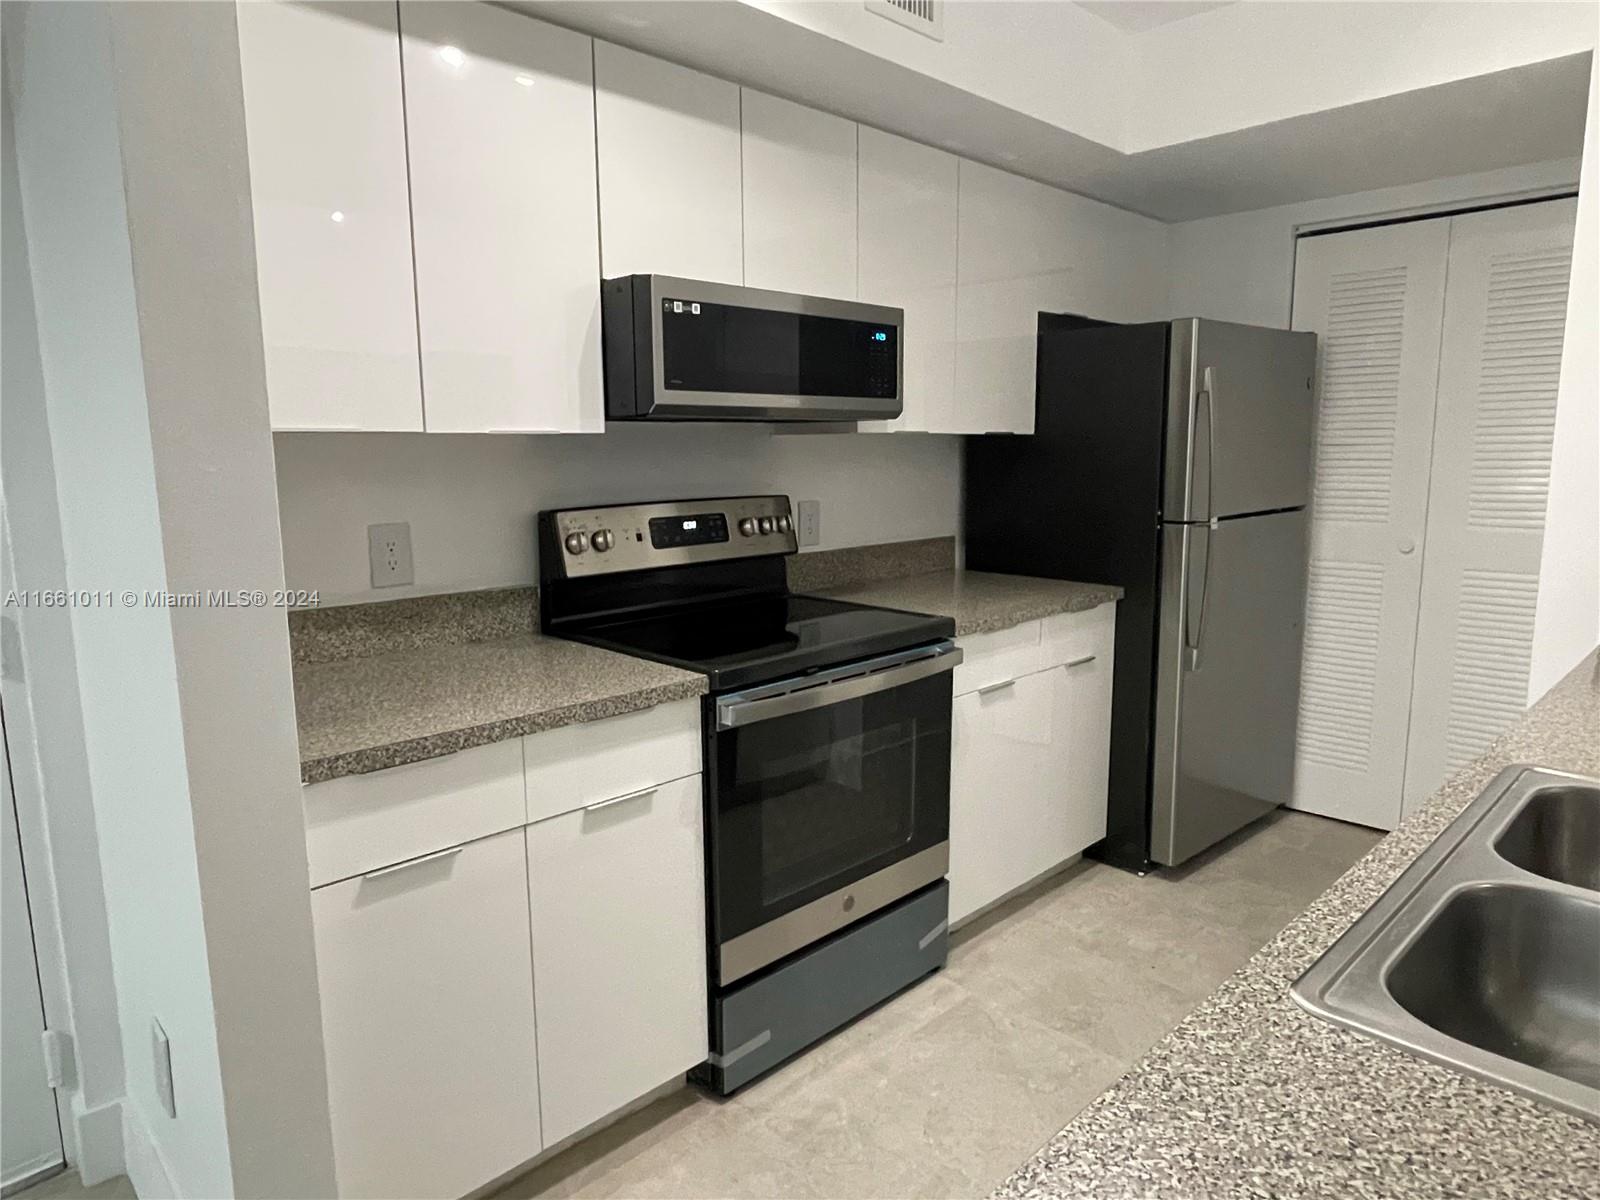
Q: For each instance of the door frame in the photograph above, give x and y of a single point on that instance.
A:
(37, 915)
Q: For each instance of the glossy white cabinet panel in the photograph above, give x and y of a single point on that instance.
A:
(325, 124)
(799, 198)
(907, 259)
(500, 125)
(668, 148)
(358, 822)
(1010, 271)
(1026, 248)
(618, 902)
(576, 765)
(428, 1019)
(1029, 762)
(1083, 702)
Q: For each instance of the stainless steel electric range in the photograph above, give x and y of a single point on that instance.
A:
(827, 759)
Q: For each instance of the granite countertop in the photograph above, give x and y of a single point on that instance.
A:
(978, 601)
(1252, 1096)
(363, 714)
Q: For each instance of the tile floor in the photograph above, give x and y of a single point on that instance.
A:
(948, 1088)
(945, 1090)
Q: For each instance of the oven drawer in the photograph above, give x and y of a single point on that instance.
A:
(577, 765)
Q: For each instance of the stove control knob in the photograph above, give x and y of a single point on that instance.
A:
(783, 524)
(766, 524)
(747, 526)
(576, 543)
(601, 541)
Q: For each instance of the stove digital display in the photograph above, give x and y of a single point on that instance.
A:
(698, 530)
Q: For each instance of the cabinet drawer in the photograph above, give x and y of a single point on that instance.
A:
(576, 765)
(359, 822)
(990, 658)
(1070, 637)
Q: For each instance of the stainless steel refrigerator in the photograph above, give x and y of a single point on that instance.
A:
(1174, 460)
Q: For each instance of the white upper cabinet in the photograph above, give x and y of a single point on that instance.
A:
(668, 149)
(327, 151)
(907, 259)
(500, 125)
(799, 198)
(1011, 269)
(1026, 248)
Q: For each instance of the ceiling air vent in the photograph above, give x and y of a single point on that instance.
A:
(925, 16)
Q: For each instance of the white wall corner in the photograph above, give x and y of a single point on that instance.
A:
(1566, 624)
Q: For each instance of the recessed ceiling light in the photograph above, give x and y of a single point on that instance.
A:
(336, 217)
(525, 80)
(452, 55)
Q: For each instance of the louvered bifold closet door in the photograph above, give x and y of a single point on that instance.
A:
(1374, 298)
(1505, 310)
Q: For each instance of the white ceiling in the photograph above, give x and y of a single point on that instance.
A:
(1136, 16)
(1525, 114)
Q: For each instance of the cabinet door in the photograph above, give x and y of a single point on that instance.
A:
(500, 124)
(619, 939)
(1505, 316)
(1083, 710)
(1007, 824)
(428, 1019)
(1375, 300)
(799, 198)
(1005, 279)
(332, 216)
(668, 148)
(907, 253)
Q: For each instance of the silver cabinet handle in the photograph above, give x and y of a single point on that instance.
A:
(1080, 662)
(639, 795)
(414, 862)
(997, 687)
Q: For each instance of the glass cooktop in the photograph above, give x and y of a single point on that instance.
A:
(745, 642)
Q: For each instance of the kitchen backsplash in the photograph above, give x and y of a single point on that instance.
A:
(471, 500)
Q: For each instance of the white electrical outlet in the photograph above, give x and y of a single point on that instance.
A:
(389, 550)
(810, 522)
(161, 1053)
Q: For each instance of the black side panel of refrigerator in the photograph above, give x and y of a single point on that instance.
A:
(1081, 499)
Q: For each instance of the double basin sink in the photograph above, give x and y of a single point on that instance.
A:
(1485, 954)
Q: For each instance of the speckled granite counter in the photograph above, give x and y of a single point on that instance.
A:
(1251, 1096)
(362, 714)
(978, 601)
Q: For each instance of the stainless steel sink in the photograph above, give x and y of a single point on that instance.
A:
(1485, 954)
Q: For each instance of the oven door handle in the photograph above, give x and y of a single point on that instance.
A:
(863, 679)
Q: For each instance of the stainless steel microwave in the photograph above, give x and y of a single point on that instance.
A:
(687, 350)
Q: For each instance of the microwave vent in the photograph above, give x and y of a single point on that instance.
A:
(925, 16)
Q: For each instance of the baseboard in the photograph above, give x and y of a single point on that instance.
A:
(99, 1136)
(146, 1170)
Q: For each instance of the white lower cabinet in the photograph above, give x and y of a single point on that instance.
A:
(1029, 760)
(618, 901)
(428, 1019)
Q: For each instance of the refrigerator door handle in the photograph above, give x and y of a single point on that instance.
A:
(1206, 392)
(1197, 609)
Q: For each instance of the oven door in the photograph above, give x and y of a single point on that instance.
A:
(829, 799)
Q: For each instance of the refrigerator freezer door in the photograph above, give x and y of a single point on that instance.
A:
(1239, 420)
(1227, 678)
